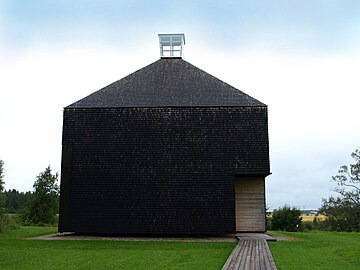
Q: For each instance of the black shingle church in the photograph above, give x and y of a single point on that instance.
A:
(169, 149)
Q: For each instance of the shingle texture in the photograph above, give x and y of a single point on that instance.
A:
(160, 170)
(140, 162)
(167, 83)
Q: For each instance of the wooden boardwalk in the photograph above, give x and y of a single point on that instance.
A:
(250, 254)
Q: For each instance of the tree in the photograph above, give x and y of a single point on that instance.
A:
(343, 212)
(2, 188)
(43, 203)
(3, 218)
(286, 219)
(348, 181)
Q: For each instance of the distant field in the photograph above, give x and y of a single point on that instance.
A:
(17, 251)
(317, 250)
(310, 217)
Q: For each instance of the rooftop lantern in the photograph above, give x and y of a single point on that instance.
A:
(171, 45)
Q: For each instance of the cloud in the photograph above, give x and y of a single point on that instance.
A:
(292, 26)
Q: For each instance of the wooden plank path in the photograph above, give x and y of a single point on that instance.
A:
(250, 254)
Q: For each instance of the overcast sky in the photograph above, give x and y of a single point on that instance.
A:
(301, 58)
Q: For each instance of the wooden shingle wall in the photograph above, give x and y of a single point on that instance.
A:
(158, 170)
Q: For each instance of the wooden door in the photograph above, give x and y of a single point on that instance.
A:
(250, 205)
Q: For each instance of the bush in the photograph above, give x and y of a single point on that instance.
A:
(8, 222)
(306, 226)
(286, 219)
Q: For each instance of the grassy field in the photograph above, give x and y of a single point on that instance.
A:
(317, 250)
(18, 251)
(310, 217)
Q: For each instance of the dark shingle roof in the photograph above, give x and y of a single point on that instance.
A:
(170, 82)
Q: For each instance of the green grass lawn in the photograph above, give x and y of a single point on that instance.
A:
(17, 251)
(313, 250)
(317, 250)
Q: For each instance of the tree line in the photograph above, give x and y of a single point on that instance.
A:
(39, 207)
(15, 200)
